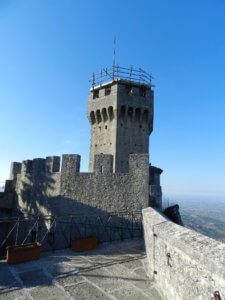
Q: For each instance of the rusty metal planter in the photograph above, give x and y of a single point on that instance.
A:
(23, 253)
(84, 244)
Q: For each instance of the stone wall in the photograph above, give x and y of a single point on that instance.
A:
(42, 188)
(184, 264)
(155, 191)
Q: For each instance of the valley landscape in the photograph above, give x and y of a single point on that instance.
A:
(205, 214)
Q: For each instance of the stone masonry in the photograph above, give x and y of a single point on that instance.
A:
(121, 118)
(120, 177)
(43, 188)
(184, 264)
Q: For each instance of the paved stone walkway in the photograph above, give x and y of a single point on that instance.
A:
(113, 271)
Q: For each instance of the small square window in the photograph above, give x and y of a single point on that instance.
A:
(107, 90)
(95, 94)
(105, 126)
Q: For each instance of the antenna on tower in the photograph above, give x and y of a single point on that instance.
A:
(114, 51)
(114, 56)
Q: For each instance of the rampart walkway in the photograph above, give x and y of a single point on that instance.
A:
(114, 271)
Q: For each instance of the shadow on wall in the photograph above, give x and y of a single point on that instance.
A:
(56, 220)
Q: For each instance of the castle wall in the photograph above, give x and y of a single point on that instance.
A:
(155, 190)
(110, 191)
(40, 188)
(184, 264)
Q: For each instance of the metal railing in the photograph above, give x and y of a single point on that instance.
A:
(57, 232)
(115, 73)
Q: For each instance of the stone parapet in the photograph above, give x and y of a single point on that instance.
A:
(184, 264)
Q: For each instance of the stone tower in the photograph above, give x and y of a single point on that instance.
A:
(120, 111)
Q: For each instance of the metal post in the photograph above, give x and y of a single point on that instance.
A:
(93, 80)
(17, 230)
(131, 69)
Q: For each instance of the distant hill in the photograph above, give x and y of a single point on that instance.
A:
(205, 214)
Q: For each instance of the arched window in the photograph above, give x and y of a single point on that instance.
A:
(92, 117)
(98, 116)
(145, 115)
(104, 114)
(111, 113)
(130, 112)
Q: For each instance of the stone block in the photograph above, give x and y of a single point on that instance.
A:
(38, 166)
(103, 164)
(52, 164)
(15, 169)
(26, 167)
(70, 164)
(139, 163)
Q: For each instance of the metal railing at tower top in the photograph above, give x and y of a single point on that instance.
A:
(115, 73)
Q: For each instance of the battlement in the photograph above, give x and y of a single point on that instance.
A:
(103, 164)
(40, 181)
(36, 166)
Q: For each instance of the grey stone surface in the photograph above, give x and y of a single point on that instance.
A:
(15, 169)
(110, 272)
(183, 263)
(34, 277)
(121, 122)
(48, 292)
(85, 290)
(69, 191)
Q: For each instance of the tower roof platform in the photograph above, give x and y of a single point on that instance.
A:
(127, 75)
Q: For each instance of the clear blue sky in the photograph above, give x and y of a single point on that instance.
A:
(48, 50)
